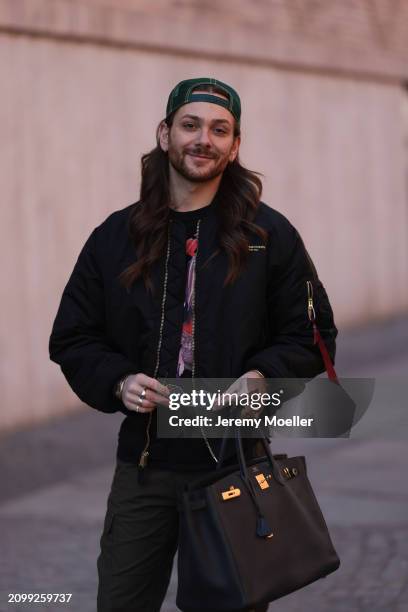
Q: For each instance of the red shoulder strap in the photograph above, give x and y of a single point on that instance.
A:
(328, 364)
(317, 338)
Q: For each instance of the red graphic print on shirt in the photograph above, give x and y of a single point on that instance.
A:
(185, 360)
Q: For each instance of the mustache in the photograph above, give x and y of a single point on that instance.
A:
(202, 151)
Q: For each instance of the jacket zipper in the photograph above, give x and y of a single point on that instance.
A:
(207, 443)
(145, 452)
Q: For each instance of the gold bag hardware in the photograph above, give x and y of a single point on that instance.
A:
(262, 481)
(289, 472)
(232, 492)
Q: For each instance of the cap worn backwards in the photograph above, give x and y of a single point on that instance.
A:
(186, 91)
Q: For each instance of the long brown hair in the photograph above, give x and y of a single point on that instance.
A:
(237, 197)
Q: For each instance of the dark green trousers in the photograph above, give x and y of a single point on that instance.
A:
(139, 539)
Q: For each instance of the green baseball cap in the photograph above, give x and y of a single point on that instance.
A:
(185, 92)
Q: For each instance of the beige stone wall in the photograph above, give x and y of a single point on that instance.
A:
(365, 37)
(75, 117)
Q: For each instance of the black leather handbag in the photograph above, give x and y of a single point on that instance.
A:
(251, 535)
(254, 532)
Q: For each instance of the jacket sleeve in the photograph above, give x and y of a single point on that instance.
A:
(290, 352)
(78, 341)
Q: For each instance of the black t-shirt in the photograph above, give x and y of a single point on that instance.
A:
(185, 453)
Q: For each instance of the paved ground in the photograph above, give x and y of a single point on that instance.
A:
(51, 509)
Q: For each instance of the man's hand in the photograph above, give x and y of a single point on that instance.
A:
(155, 393)
(248, 383)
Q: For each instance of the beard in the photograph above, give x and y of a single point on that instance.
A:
(214, 168)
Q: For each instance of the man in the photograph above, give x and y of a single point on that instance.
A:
(198, 278)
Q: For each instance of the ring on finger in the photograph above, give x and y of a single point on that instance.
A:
(142, 396)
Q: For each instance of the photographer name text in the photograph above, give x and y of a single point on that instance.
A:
(256, 422)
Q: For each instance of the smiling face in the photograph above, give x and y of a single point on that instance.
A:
(200, 142)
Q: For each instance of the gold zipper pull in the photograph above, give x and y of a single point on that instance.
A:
(143, 459)
(310, 308)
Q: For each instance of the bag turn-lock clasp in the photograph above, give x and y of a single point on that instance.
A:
(232, 492)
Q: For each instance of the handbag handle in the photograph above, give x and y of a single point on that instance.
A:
(243, 468)
(331, 373)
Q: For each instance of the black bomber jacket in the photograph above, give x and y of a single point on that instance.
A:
(103, 331)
